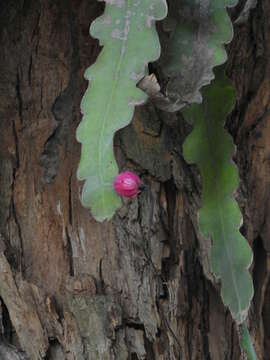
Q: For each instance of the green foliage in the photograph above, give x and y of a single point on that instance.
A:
(196, 33)
(246, 343)
(211, 148)
(197, 30)
(127, 32)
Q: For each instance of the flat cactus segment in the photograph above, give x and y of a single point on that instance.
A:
(211, 148)
(127, 33)
(197, 31)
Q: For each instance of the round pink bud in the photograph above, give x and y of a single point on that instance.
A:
(127, 184)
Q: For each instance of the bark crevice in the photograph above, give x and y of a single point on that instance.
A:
(138, 287)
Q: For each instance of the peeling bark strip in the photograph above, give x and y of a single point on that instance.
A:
(24, 318)
(140, 277)
(10, 353)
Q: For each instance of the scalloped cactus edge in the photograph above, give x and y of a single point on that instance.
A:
(198, 30)
(126, 30)
(210, 147)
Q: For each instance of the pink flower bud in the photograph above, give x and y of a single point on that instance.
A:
(127, 184)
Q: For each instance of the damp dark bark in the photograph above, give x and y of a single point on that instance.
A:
(134, 287)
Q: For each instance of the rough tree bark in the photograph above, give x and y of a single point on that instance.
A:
(134, 287)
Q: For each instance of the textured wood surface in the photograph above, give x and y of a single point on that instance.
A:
(137, 287)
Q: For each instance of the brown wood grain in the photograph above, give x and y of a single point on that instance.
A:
(137, 287)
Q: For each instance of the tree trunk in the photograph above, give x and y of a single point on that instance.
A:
(136, 287)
